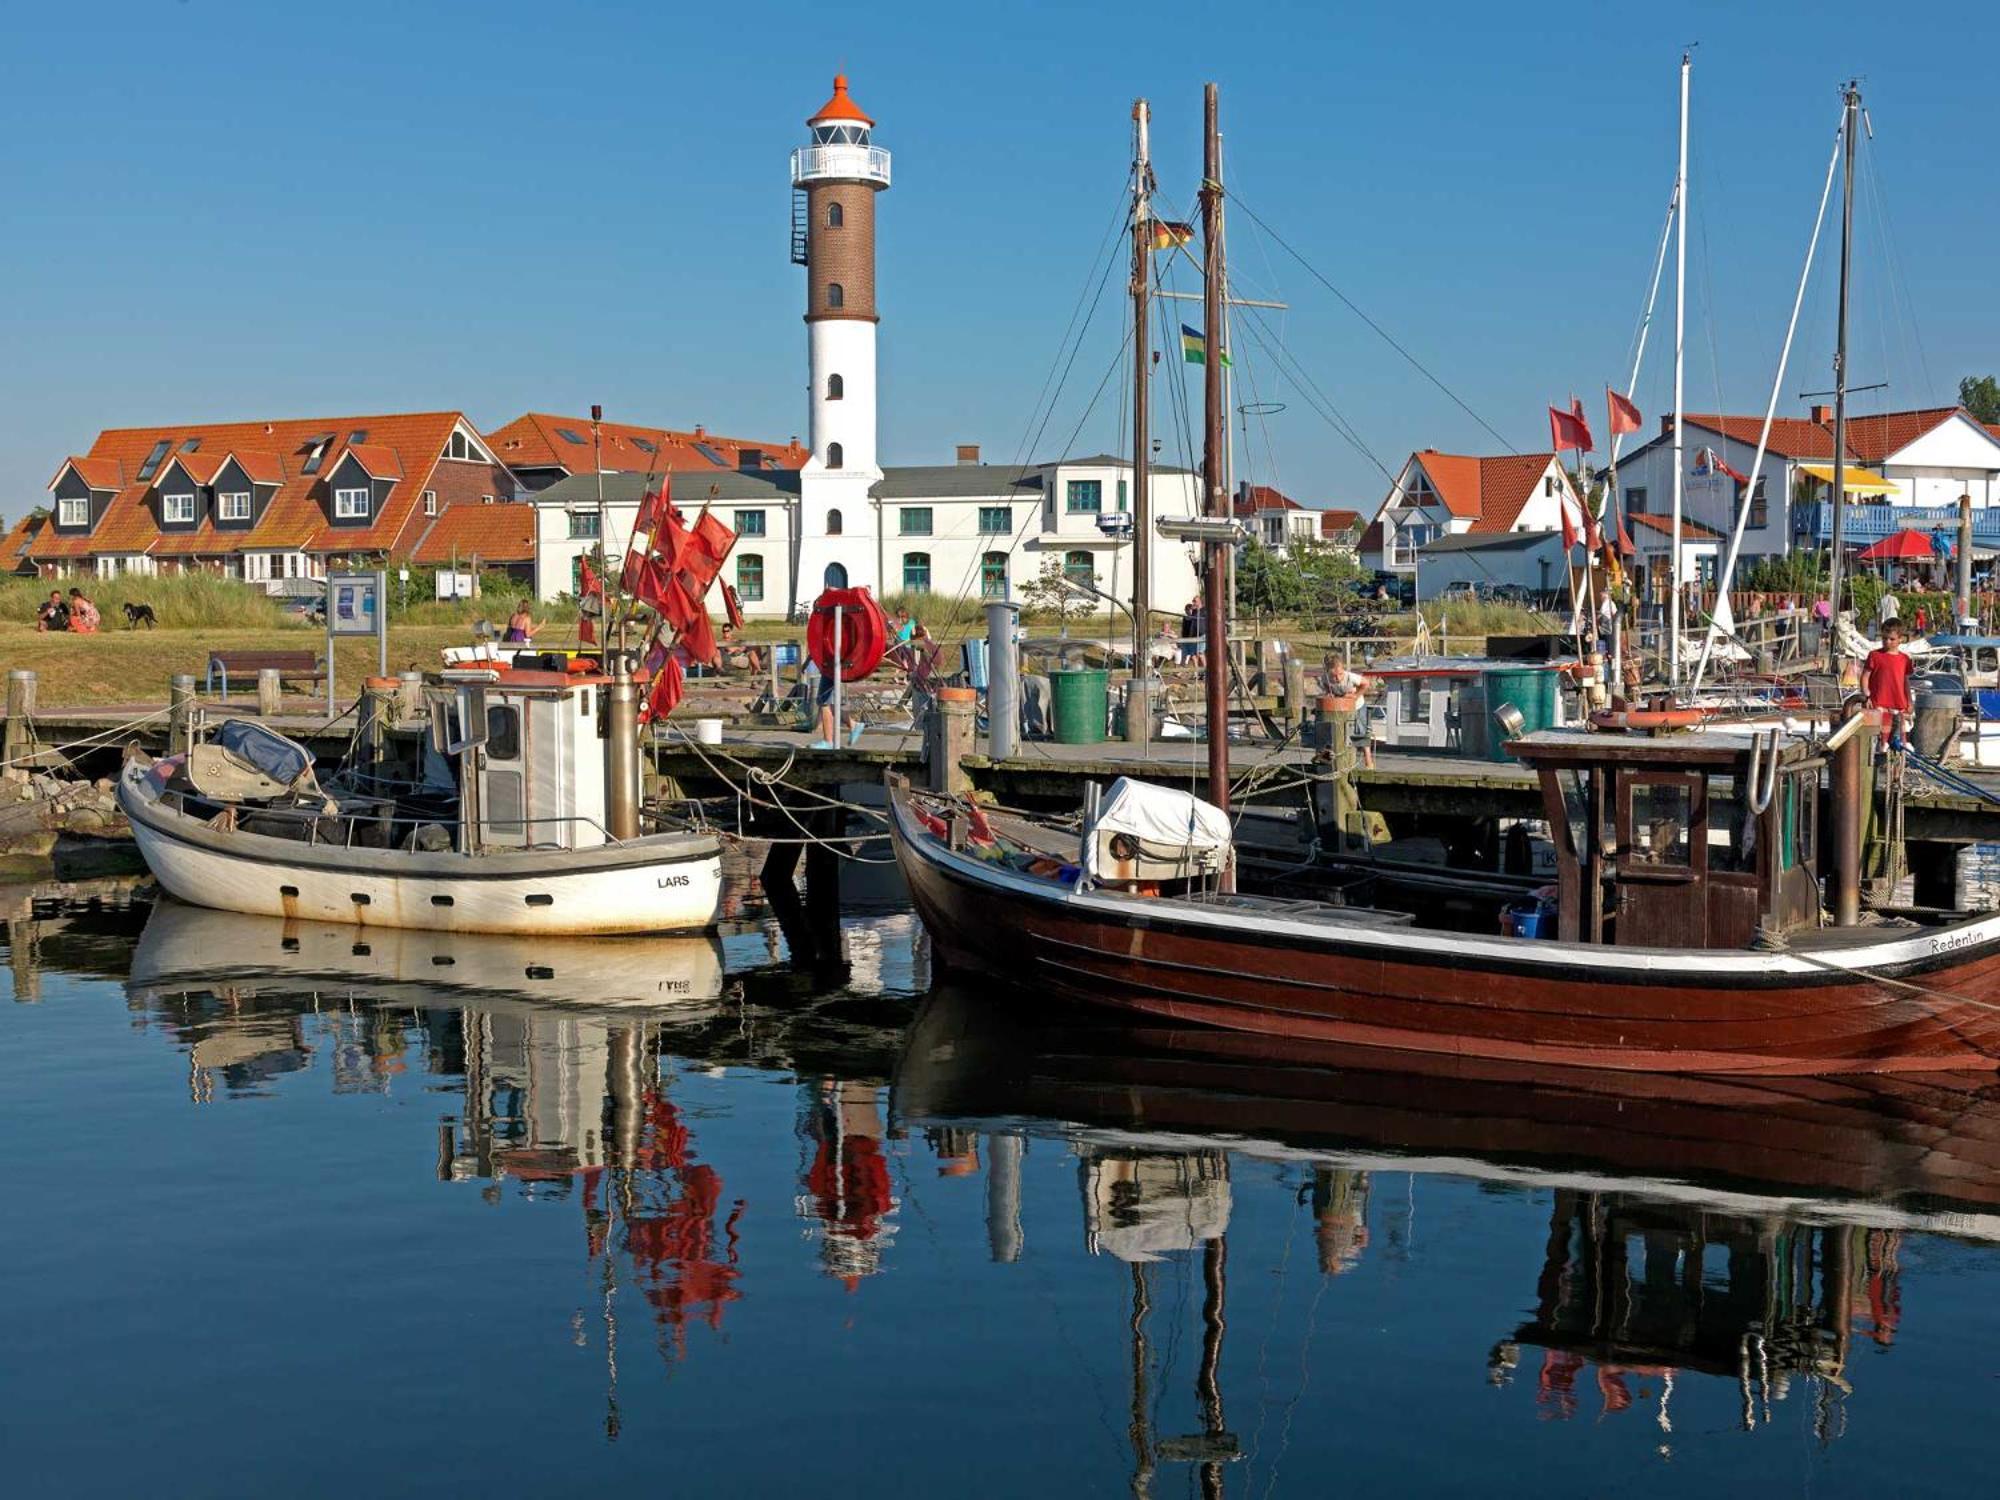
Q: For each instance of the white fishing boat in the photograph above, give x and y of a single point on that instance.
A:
(505, 831)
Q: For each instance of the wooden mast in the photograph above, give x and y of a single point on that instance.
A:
(1142, 519)
(1214, 564)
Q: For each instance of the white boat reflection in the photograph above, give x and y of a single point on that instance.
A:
(184, 945)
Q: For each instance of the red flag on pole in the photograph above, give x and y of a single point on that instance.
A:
(1567, 429)
(1569, 527)
(1723, 464)
(1624, 415)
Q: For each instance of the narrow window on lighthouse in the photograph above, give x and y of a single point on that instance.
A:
(833, 517)
(836, 216)
(835, 388)
(836, 294)
(834, 458)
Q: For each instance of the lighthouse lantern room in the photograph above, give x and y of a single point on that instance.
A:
(835, 179)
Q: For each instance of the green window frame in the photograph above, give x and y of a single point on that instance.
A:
(1084, 497)
(913, 520)
(749, 577)
(996, 520)
(993, 575)
(916, 572)
(1080, 567)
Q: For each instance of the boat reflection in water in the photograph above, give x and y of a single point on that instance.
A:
(1748, 1230)
(569, 1052)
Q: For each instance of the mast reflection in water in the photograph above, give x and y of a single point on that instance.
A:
(780, 1217)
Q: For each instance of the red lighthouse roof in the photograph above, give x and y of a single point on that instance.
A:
(839, 107)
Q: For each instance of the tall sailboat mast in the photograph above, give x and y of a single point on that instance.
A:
(1142, 511)
(1680, 340)
(1850, 118)
(1216, 508)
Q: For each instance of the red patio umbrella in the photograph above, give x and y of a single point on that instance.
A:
(1900, 546)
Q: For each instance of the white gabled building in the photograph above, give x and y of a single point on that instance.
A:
(1447, 494)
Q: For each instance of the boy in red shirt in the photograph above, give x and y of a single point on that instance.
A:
(1886, 676)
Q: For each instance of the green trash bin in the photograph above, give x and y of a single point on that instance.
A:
(1078, 699)
(1530, 689)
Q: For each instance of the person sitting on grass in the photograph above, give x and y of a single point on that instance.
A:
(83, 618)
(54, 613)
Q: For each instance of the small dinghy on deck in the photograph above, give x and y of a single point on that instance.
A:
(514, 839)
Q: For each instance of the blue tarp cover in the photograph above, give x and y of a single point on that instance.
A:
(283, 760)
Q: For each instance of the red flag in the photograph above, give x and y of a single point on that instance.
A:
(1593, 535)
(697, 634)
(667, 685)
(1567, 429)
(732, 607)
(1625, 547)
(592, 584)
(1723, 464)
(1624, 415)
(1569, 530)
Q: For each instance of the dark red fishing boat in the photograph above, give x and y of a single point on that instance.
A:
(1687, 938)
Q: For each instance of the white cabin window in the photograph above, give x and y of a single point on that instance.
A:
(73, 511)
(430, 502)
(234, 506)
(350, 505)
(176, 507)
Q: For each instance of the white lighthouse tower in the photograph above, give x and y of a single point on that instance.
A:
(834, 181)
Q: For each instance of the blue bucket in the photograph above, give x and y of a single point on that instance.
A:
(1528, 921)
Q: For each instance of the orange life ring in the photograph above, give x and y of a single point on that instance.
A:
(1646, 718)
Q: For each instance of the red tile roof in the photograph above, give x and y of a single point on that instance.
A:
(263, 468)
(14, 546)
(1873, 439)
(296, 517)
(199, 467)
(503, 532)
(1491, 490)
(1791, 437)
(377, 459)
(1261, 497)
(840, 106)
(1337, 522)
(534, 442)
(98, 473)
(1691, 531)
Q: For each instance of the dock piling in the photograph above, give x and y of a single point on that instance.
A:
(950, 740)
(270, 692)
(1003, 681)
(180, 713)
(16, 748)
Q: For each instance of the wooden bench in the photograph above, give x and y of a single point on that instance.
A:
(296, 665)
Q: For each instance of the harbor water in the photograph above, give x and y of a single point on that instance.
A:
(307, 1210)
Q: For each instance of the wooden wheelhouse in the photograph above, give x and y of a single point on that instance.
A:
(1696, 840)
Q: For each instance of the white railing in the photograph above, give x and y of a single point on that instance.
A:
(857, 163)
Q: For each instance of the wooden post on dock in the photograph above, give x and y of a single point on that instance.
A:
(18, 745)
(950, 739)
(270, 692)
(180, 713)
(1295, 689)
(410, 695)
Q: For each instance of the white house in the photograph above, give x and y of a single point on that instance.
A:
(1274, 520)
(968, 530)
(1446, 494)
(1914, 464)
(1531, 560)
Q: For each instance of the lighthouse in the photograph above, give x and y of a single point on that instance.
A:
(834, 182)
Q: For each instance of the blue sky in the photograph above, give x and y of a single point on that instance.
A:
(221, 211)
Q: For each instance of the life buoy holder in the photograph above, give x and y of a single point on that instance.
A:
(864, 633)
(1646, 719)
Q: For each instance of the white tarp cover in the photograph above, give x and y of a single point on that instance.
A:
(1159, 816)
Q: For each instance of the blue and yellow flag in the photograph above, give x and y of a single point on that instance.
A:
(1194, 347)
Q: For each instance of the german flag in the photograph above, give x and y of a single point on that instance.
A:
(1168, 235)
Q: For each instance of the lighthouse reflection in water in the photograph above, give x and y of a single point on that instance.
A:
(770, 1206)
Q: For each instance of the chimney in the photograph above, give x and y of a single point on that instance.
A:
(1823, 415)
(749, 458)
(1666, 424)
(968, 453)
(699, 430)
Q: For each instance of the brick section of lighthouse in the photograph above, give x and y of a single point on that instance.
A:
(844, 255)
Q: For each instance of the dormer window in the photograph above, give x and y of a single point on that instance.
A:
(176, 508)
(233, 506)
(73, 510)
(350, 505)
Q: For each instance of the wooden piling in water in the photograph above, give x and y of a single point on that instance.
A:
(180, 713)
(18, 744)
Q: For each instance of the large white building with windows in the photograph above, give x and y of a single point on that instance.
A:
(962, 530)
